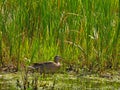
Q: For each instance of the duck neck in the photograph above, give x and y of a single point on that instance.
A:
(58, 63)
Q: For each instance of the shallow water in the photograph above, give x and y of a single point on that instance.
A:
(15, 81)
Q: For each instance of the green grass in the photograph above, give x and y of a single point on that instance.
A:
(83, 32)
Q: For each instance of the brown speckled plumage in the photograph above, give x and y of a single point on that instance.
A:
(47, 67)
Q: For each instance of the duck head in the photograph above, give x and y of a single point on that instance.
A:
(57, 59)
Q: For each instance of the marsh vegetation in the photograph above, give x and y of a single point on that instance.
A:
(85, 33)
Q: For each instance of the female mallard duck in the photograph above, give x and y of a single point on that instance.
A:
(47, 67)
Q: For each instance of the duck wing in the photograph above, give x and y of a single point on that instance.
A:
(42, 65)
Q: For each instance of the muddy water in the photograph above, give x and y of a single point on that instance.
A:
(16, 81)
